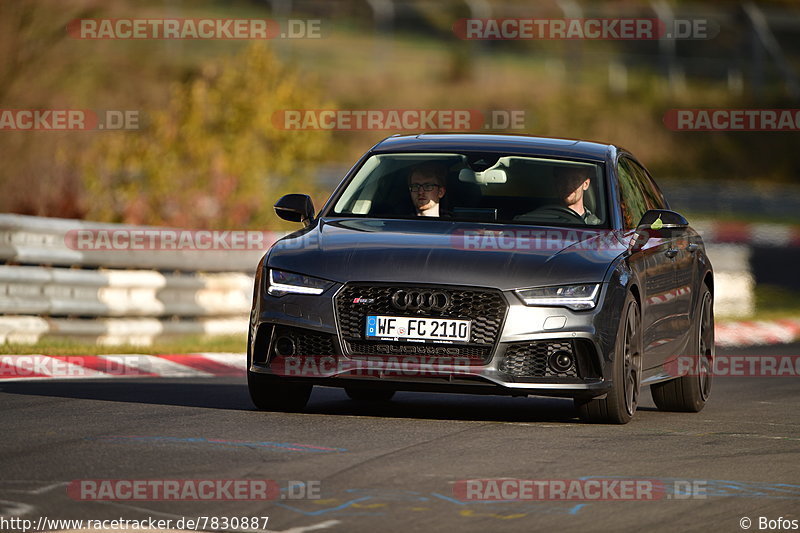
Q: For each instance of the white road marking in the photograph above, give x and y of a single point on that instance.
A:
(303, 529)
(40, 490)
(48, 488)
(8, 508)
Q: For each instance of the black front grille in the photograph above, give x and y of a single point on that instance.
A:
(486, 308)
(530, 359)
(308, 342)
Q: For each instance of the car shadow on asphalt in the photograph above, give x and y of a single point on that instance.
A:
(446, 406)
(231, 394)
(204, 393)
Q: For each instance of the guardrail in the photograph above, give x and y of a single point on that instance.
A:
(745, 255)
(52, 288)
(734, 284)
(56, 241)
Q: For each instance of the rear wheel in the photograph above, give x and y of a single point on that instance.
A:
(369, 395)
(689, 393)
(620, 403)
(270, 394)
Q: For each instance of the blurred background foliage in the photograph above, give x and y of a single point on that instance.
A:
(210, 157)
(207, 154)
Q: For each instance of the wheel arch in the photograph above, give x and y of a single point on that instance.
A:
(634, 289)
(708, 281)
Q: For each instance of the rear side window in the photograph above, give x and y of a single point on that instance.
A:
(632, 199)
(652, 197)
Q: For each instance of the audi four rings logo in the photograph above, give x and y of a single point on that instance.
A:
(420, 300)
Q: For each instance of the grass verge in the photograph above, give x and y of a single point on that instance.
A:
(178, 345)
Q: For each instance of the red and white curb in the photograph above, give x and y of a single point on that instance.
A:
(208, 365)
(741, 334)
(198, 365)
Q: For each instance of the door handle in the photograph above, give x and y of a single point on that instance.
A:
(692, 248)
(671, 253)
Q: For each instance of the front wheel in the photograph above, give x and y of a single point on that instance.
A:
(270, 394)
(689, 393)
(620, 403)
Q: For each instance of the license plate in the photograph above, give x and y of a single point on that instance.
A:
(423, 329)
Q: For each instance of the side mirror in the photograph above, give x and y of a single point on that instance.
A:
(657, 223)
(295, 208)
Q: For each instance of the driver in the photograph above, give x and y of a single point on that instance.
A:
(571, 182)
(426, 183)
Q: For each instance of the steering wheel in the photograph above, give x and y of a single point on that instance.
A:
(558, 211)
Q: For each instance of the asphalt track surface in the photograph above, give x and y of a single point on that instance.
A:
(394, 468)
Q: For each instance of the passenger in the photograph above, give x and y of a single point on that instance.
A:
(571, 182)
(426, 184)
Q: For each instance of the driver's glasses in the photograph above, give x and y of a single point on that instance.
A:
(427, 187)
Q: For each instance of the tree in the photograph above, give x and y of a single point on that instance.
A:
(212, 157)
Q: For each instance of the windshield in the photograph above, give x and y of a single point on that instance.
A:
(477, 187)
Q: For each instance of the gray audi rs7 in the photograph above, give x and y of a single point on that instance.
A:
(487, 264)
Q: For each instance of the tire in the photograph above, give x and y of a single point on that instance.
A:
(689, 394)
(369, 395)
(270, 394)
(619, 405)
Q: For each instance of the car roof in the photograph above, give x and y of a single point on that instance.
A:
(483, 142)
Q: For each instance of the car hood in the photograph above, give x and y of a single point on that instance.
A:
(441, 252)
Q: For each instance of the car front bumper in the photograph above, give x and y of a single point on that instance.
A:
(322, 351)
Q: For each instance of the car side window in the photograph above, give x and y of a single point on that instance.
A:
(652, 197)
(632, 199)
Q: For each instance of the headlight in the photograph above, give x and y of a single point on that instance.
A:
(575, 297)
(281, 283)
